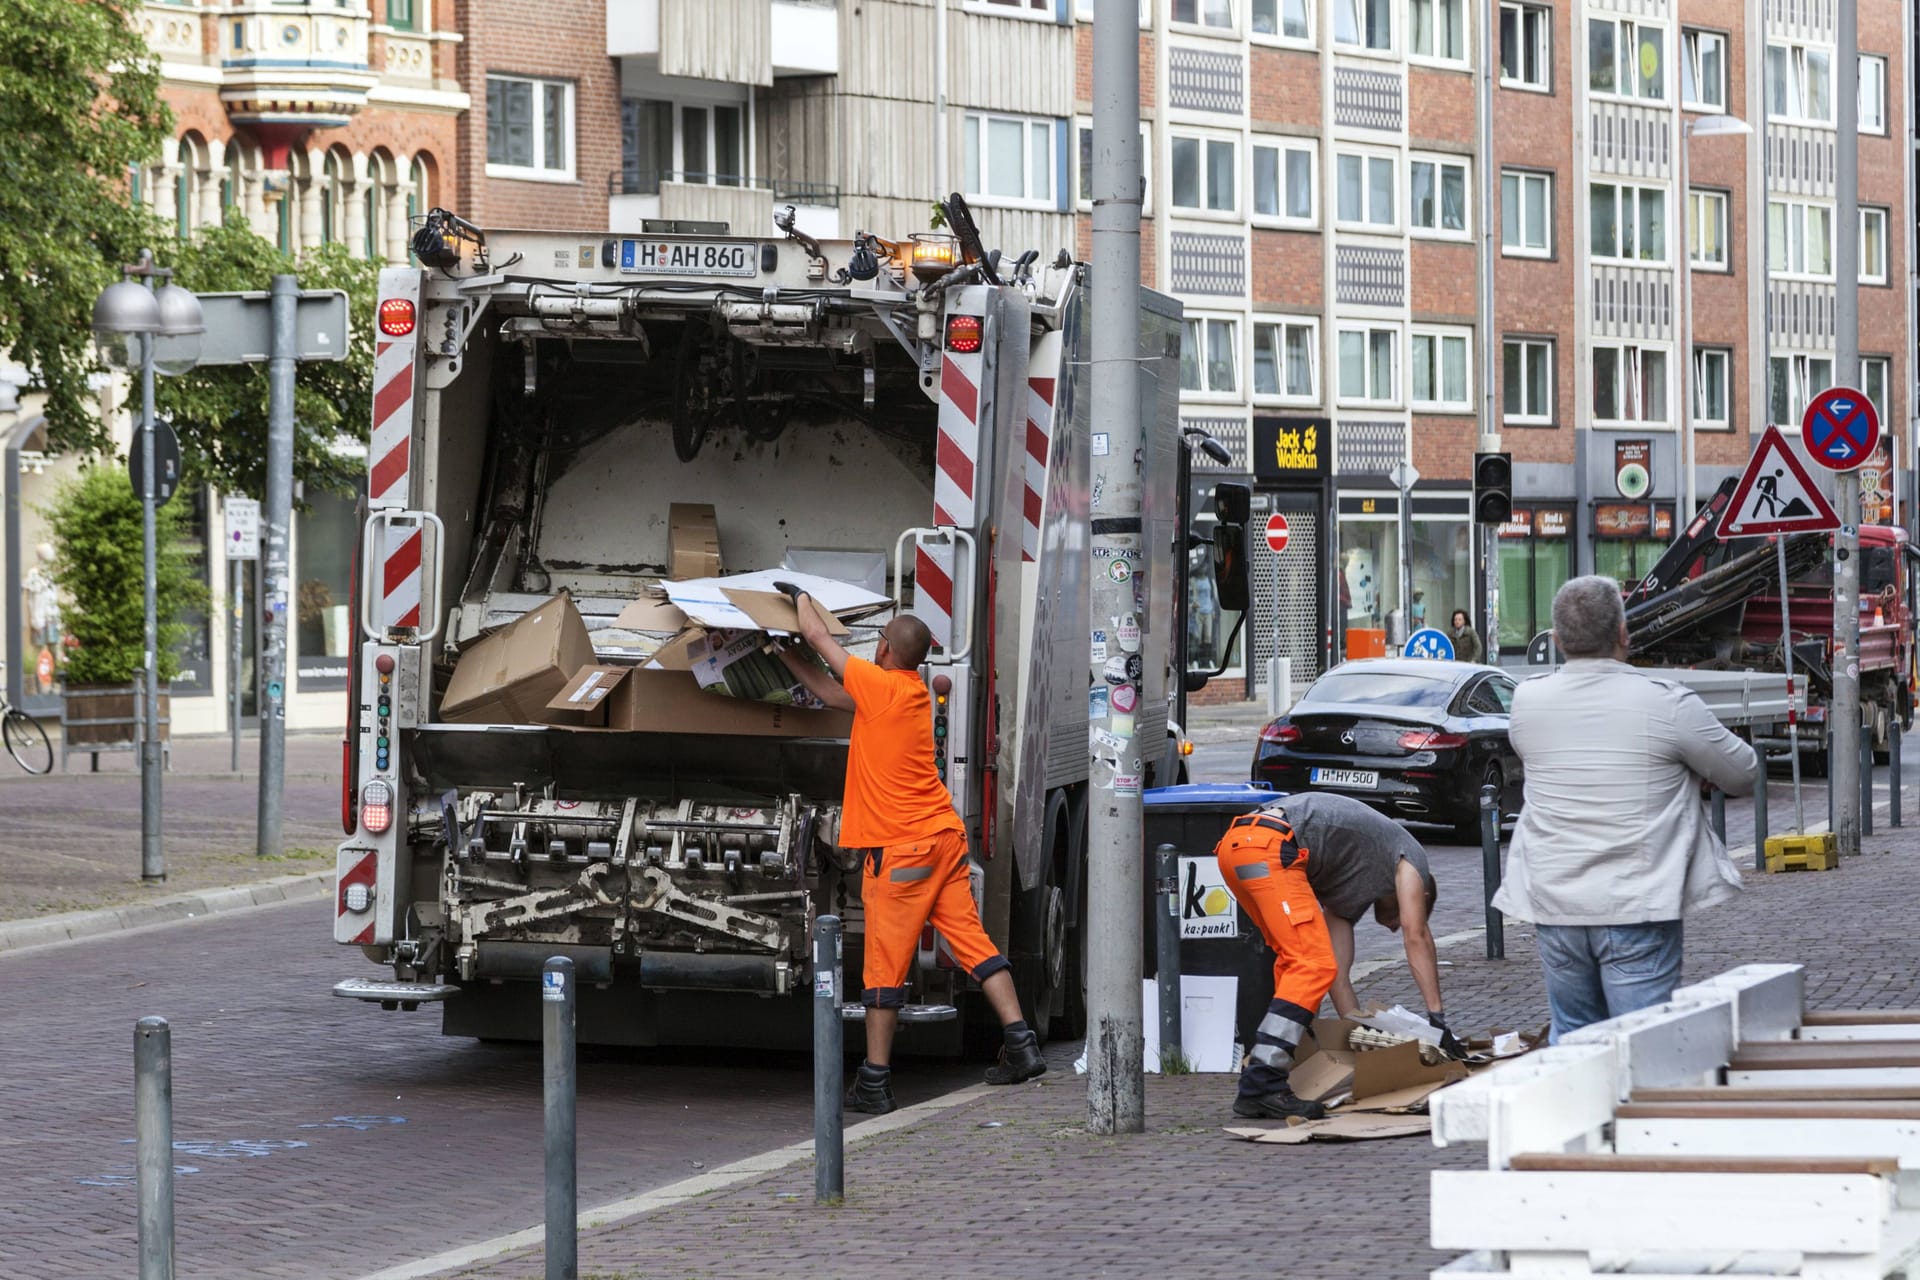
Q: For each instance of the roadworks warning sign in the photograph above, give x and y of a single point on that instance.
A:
(1776, 495)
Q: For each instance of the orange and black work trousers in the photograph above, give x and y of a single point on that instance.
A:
(904, 887)
(1266, 871)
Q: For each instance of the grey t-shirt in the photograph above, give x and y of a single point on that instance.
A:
(1353, 851)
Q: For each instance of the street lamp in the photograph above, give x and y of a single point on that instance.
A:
(155, 328)
(1703, 127)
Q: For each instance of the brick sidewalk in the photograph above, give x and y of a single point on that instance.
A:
(1011, 1184)
(72, 840)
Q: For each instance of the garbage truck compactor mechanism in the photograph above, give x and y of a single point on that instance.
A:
(909, 417)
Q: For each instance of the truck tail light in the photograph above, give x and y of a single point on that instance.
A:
(396, 317)
(1431, 740)
(376, 807)
(964, 334)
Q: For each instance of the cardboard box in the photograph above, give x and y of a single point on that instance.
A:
(640, 700)
(511, 675)
(583, 703)
(693, 540)
(1330, 1071)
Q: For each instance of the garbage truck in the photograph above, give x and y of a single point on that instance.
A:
(911, 417)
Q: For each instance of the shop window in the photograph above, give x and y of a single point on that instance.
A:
(1536, 559)
(324, 536)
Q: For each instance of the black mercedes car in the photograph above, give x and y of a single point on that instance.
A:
(1415, 738)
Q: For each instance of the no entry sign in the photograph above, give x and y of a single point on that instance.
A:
(1276, 533)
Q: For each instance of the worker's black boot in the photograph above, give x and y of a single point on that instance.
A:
(871, 1091)
(1019, 1058)
(1283, 1104)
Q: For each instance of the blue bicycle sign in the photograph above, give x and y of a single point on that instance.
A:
(1428, 642)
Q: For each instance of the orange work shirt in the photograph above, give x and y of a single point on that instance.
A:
(894, 794)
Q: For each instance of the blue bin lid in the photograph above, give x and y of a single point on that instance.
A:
(1236, 795)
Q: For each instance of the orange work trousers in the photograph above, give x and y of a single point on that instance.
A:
(1265, 868)
(903, 887)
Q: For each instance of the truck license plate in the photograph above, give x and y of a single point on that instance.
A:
(1361, 779)
(689, 257)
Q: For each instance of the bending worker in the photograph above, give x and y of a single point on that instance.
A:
(897, 813)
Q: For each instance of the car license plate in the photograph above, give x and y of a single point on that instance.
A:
(690, 257)
(1362, 779)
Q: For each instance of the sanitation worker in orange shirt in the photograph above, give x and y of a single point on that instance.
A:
(1265, 868)
(897, 813)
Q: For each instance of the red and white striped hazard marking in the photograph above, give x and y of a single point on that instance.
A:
(955, 455)
(400, 579)
(1043, 364)
(364, 872)
(396, 344)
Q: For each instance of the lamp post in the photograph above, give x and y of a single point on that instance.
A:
(156, 328)
(1704, 127)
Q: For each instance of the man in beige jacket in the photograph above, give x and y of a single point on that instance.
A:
(1613, 846)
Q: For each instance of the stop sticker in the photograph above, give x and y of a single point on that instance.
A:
(1276, 533)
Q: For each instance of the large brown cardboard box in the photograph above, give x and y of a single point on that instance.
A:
(509, 676)
(693, 540)
(673, 702)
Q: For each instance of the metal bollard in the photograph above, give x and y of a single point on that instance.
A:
(829, 1066)
(153, 1144)
(1490, 870)
(1717, 807)
(1866, 779)
(1893, 773)
(1760, 814)
(557, 999)
(1167, 954)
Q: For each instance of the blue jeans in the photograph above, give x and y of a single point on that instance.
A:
(1596, 972)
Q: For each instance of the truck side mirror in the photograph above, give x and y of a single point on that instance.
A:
(1230, 574)
(1232, 503)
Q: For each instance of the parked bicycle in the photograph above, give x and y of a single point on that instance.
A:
(25, 740)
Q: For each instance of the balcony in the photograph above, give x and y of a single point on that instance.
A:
(290, 68)
(745, 205)
(733, 41)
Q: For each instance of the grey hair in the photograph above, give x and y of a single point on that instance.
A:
(1587, 617)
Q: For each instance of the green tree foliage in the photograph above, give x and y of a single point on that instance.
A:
(97, 541)
(220, 412)
(79, 104)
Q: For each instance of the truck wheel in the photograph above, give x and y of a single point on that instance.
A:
(1467, 829)
(1071, 1022)
(1882, 733)
(1041, 971)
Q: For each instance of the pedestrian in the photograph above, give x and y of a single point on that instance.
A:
(1466, 641)
(1613, 847)
(1265, 867)
(897, 815)
(1360, 860)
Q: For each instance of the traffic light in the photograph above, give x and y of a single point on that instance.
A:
(1492, 488)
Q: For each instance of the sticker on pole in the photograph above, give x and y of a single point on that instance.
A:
(1841, 429)
(1429, 643)
(553, 985)
(1776, 495)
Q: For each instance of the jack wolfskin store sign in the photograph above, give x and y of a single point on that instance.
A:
(1292, 448)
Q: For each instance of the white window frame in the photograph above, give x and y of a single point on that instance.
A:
(1699, 200)
(979, 120)
(1083, 10)
(1795, 244)
(1360, 46)
(708, 167)
(1462, 9)
(1281, 146)
(1440, 336)
(1797, 57)
(1526, 178)
(1632, 356)
(1279, 325)
(1800, 388)
(1690, 61)
(1080, 174)
(1868, 275)
(1885, 365)
(1395, 375)
(1200, 25)
(1639, 193)
(1702, 357)
(1204, 137)
(540, 171)
(1441, 161)
(1028, 10)
(1543, 54)
(1872, 116)
(1367, 159)
(1206, 392)
(1542, 416)
(1631, 65)
(1306, 41)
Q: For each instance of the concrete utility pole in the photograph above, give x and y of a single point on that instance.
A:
(1843, 716)
(153, 864)
(1116, 849)
(276, 521)
(1490, 346)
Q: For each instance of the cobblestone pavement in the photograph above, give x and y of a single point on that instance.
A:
(326, 1138)
(72, 840)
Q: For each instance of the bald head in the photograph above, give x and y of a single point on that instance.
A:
(907, 642)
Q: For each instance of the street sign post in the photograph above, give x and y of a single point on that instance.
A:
(166, 462)
(1841, 428)
(241, 516)
(1776, 495)
(1276, 533)
(1430, 642)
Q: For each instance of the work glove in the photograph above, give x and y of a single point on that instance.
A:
(1449, 1043)
(790, 591)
